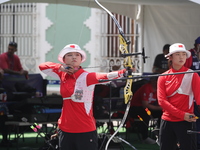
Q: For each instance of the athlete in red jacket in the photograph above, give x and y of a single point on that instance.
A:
(175, 96)
(76, 123)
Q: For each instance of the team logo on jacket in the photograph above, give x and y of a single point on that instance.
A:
(78, 94)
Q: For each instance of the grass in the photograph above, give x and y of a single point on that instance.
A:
(32, 141)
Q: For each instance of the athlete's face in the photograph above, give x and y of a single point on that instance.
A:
(11, 50)
(73, 58)
(178, 59)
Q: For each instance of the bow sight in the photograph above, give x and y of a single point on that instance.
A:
(138, 53)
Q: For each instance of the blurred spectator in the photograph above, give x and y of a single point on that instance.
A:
(3, 127)
(193, 62)
(3, 115)
(99, 109)
(160, 64)
(1, 73)
(146, 97)
(10, 62)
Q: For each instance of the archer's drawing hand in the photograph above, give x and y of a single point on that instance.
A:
(67, 68)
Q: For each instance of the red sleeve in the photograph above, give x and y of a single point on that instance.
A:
(188, 62)
(138, 96)
(51, 69)
(3, 61)
(93, 78)
(163, 100)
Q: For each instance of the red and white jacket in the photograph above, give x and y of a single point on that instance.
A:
(176, 94)
(77, 92)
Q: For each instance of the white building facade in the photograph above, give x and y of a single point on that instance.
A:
(42, 30)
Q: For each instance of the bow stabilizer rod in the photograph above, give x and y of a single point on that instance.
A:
(135, 54)
(150, 76)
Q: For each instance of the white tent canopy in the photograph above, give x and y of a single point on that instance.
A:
(127, 2)
(124, 7)
(162, 21)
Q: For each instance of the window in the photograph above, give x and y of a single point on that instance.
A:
(17, 24)
(110, 41)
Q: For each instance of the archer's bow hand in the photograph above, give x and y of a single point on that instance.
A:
(129, 71)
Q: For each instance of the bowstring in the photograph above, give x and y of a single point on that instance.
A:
(81, 32)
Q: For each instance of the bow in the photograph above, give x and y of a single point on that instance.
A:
(127, 64)
(123, 49)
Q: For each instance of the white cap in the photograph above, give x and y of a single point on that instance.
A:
(177, 47)
(71, 48)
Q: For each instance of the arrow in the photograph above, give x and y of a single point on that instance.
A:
(150, 76)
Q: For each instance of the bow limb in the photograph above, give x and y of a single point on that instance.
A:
(121, 124)
(115, 20)
(128, 64)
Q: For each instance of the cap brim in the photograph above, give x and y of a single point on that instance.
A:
(63, 52)
(187, 52)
